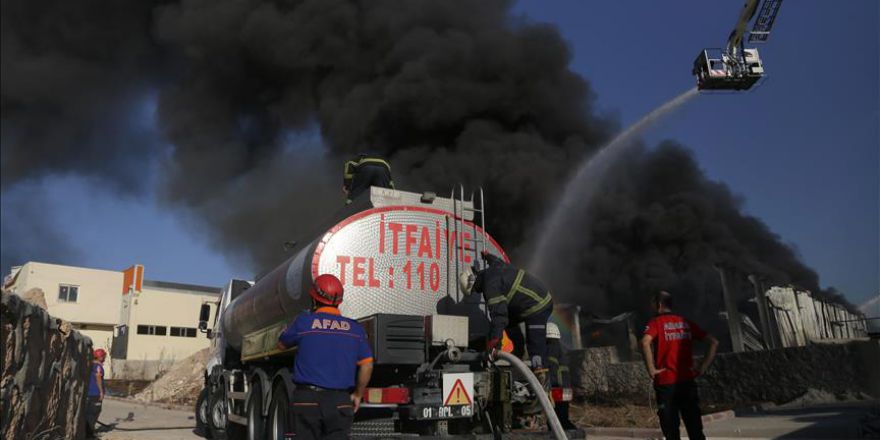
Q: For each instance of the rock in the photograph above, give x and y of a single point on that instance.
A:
(36, 297)
(44, 375)
(778, 376)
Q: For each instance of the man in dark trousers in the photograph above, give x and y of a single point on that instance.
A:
(668, 349)
(332, 351)
(560, 376)
(95, 397)
(364, 171)
(513, 296)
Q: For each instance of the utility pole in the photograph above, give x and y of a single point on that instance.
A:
(763, 312)
(733, 320)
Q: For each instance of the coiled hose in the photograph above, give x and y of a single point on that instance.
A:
(552, 419)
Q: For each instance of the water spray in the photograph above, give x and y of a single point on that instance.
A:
(582, 186)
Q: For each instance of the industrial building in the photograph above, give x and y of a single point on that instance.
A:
(145, 325)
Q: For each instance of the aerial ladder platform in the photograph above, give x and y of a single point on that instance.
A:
(736, 67)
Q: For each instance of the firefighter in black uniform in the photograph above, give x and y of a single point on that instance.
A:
(560, 376)
(513, 297)
(364, 171)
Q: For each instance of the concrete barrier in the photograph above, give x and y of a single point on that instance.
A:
(45, 370)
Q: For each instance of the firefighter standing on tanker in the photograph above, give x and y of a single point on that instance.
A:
(513, 296)
(364, 171)
(671, 366)
(333, 364)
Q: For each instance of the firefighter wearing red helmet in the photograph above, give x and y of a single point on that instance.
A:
(333, 364)
(95, 396)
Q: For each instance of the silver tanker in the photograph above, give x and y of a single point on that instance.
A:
(414, 235)
(398, 255)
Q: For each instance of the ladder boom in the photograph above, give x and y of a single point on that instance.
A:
(735, 39)
(766, 17)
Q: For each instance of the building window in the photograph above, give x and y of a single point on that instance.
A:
(184, 332)
(67, 293)
(158, 330)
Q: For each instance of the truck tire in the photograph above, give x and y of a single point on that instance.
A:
(256, 423)
(219, 425)
(201, 410)
(217, 414)
(279, 413)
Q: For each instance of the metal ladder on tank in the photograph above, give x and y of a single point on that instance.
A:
(475, 204)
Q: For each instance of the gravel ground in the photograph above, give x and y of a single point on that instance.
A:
(627, 416)
(181, 384)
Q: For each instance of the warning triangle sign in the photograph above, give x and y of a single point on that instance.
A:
(458, 395)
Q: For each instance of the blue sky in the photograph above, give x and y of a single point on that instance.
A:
(802, 149)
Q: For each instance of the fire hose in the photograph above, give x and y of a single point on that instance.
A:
(552, 419)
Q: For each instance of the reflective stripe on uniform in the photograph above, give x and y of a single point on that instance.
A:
(496, 300)
(537, 307)
(374, 160)
(559, 375)
(559, 368)
(517, 287)
(348, 172)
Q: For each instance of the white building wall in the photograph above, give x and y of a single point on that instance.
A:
(98, 291)
(101, 309)
(158, 310)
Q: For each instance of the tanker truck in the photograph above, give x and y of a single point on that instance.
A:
(397, 254)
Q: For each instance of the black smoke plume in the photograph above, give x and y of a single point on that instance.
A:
(260, 100)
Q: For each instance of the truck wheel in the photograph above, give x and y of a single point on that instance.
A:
(278, 413)
(216, 415)
(218, 424)
(202, 414)
(256, 423)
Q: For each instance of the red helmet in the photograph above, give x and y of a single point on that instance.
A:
(327, 289)
(100, 353)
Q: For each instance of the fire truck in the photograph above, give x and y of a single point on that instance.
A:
(398, 255)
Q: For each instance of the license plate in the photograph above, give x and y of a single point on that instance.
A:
(432, 412)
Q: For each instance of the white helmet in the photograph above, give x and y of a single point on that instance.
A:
(553, 331)
(466, 281)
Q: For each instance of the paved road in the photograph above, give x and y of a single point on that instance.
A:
(132, 421)
(825, 422)
(819, 422)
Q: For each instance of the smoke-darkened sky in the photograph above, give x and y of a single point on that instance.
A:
(254, 102)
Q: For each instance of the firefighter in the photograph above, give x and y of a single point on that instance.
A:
(364, 171)
(559, 372)
(95, 397)
(513, 297)
(333, 364)
(671, 366)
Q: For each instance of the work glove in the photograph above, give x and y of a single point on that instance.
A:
(492, 344)
(492, 347)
